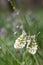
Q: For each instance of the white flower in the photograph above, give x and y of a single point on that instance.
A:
(23, 63)
(15, 32)
(17, 26)
(20, 41)
(21, 27)
(32, 49)
(32, 45)
(29, 41)
(33, 36)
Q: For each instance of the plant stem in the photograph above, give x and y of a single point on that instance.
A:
(15, 59)
(35, 58)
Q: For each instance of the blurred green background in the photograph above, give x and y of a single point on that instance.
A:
(14, 15)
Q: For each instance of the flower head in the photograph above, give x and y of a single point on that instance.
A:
(32, 45)
(20, 41)
(28, 41)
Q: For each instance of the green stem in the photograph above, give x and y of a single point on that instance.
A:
(24, 57)
(35, 58)
(15, 59)
(13, 4)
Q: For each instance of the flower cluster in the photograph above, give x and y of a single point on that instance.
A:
(32, 45)
(28, 41)
(20, 41)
